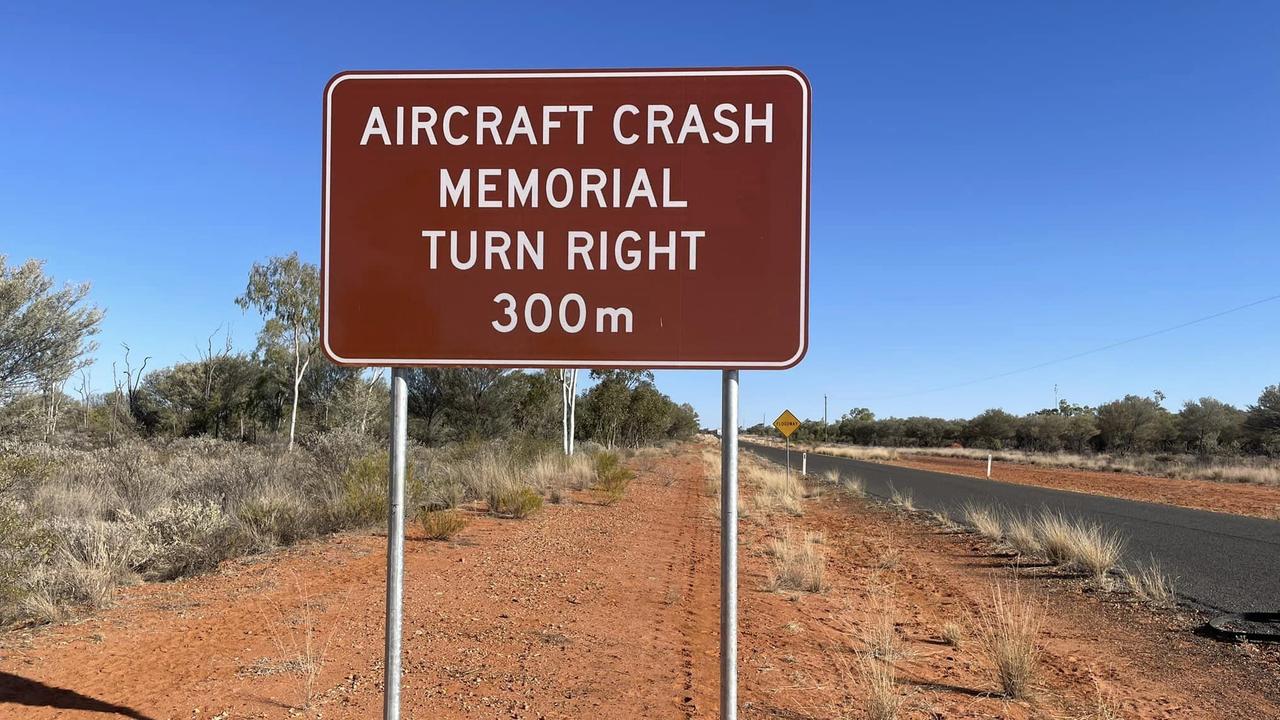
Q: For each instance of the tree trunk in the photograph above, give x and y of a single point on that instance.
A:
(293, 416)
(573, 406)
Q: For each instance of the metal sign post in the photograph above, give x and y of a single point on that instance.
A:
(729, 547)
(787, 423)
(395, 540)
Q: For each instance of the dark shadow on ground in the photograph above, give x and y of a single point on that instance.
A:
(945, 687)
(17, 690)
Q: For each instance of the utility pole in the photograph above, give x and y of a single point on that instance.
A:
(824, 416)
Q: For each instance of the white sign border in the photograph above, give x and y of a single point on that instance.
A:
(599, 363)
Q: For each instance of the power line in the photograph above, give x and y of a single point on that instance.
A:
(1091, 351)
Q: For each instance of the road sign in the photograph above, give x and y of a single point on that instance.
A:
(600, 218)
(787, 423)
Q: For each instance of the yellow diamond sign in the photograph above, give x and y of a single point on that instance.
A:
(787, 423)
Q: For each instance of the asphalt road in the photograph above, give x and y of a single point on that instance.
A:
(1221, 562)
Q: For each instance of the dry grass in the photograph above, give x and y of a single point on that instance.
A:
(854, 485)
(888, 555)
(556, 472)
(1079, 544)
(89, 521)
(302, 650)
(878, 631)
(984, 520)
(442, 524)
(1020, 534)
(903, 499)
(1149, 582)
(1098, 551)
(879, 682)
(777, 491)
(953, 634)
(1057, 537)
(1007, 630)
(1104, 705)
(710, 457)
(797, 564)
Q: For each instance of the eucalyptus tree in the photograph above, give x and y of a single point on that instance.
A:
(286, 292)
(44, 333)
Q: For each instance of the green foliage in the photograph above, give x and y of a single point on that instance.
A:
(274, 515)
(286, 292)
(363, 499)
(992, 429)
(44, 332)
(1263, 421)
(23, 547)
(441, 524)
(1134, 424)
(625, 408)
(23, 471)
(187, 539)
(1208, 425)
(612, 477)
(513, 500)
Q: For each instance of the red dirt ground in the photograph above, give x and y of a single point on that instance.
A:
(588, 611)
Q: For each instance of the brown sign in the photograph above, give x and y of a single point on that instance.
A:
(598, 218)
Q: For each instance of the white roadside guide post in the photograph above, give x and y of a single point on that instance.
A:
(988, 466)
(729, 547)
(804, 463)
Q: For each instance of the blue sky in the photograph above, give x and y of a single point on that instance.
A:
(995, 185)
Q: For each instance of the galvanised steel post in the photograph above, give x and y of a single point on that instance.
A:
(729, 548)
(395, 541)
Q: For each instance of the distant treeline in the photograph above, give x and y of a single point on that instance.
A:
(1132, 424)
(281, 386)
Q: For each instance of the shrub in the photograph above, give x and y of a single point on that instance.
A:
(612, 478)
(91, 558)
(21, 471)
(23, 548)
(274, 515)
(363, 500)
(513, 500)
(187, 539)
(442, 524)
